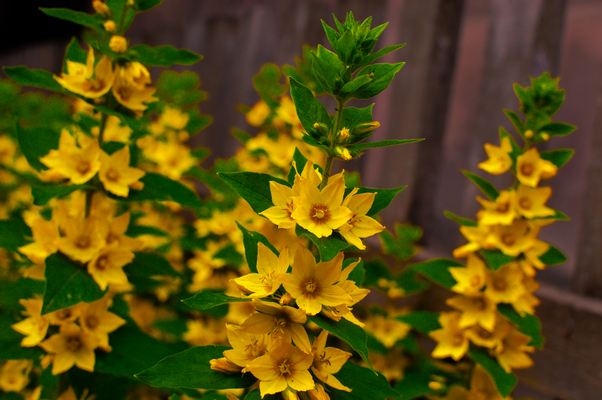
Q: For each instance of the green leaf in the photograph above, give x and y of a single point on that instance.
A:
(133, 351)
(11, 396)
(230, 255)
(347, 331)
(36, 142)
(365, 384)
(164, 56)
(382, 75)
(256, 395)
(558, 157)
(553, 256)
(516, 150)
(331, 34)
(375, 270)
(402, 246)
(558, 215)
(504, 381)
(414, 384)
(383, 143)
(35, 77)
(383, 197)
(495, 259)
(309, 109)
(254, 187)
(139, 230)
(557, 129)
(357, 275)
(67, 284)
(145, 5)
(42, 194)
(207, 299)
(516, 121)
(191, 369)
(353, 117)
(327, 68)
(268, 86)
(161, 188)
(528, 324)
(13, 233)
(461, 220)
(422, 321)
(357, 83)
(148, 265)
(408, 282)
(328, 246)
(486, 187)
(437, 270)
(10, 342)
(78, 17)
(378, 54)
(74, 53)
(250, 240)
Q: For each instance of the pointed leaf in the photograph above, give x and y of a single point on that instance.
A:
(383, 197)
(13, 233)
(378, 54)
(383, 143)
(191, 369)
(364, 382)
(495, 259)
(422, 321)
(504, 381)
(528, 324)
(347, 331)
(254, 187)
(67, 284)
(309, 109)
(42, 194)
(250, 240)
(36, 142)
(78, 17)
(161, 188)
(486, 187)
(145, 5)
(460, 220)
(207, 299)
(382, 75)
(557, 129)
(328, 246)
(553, 256)
(35, 77)
(437, 270)
(331, 34)
(516, 121)
(164, 56)
(558, 157)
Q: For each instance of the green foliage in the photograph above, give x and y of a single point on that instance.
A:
(437, 270)
(402, 247)
(356, 149)
(207, 299)
(495, 259)
(191, 369)
(486, 187)
(10, 342)
(366, 384)
(77, 17)
(35, 77)
(528, 324)
(422, 321)
(553, 256)
(504, 381)
(42, 194)
(268, 86)
(328, 246)
(161, 188)
(36, 142)
(250, 241)
(67, 284)
(461, 220)
(558, 157)
(13, 233)
(309, 109)
(163, 56)
(254, 187)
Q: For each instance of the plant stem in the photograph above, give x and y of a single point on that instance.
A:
(333, 142)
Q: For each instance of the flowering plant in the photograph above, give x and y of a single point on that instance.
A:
(120, 281)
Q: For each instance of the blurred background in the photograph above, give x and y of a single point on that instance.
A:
(462, 57)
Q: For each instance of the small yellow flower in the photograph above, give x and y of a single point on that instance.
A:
(258, 114)
(107, 266)
(514, 239)
(130, 87)
(314, 285)
(360, 225)
(477, 309)
(101, 8)
(35, 326)
(452, 340)
(499, 158)
(511, 353)
(284, 206)
(118, 44)
(530, 202)
(470, 279)
(86, 79)
(83, 238)
(110, 26)
(71, 346)
(477, 237)
(283, 367)
(328, 361)
(270, 268)
(116, 174)
(530, 168)
(45, 240)
(245, 346)
(14, 375)
(506, 284)
(95, 318)
(321, 211)
(501, 211)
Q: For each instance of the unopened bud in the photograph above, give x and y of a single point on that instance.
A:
(285, 299)
(118, 44)
(322, 128)
(545, 136)
(529, 134)
(342, 153)
(110, 26)
(367, 127)
(101, 8)
(343, 135)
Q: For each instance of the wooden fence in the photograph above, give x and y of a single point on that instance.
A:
(462, 58)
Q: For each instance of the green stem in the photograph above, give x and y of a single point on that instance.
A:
(333, 142)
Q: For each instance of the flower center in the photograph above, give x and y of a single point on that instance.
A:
(102, 263)
(508, 239)
(458, 339)
(475, 281)
(284, 367)
(527, 169)
(83, 242)
(500, 284)
(92, 321)
(319, 213)
(94, 86)
(503, 207)
(113, 175)
(73, 344)
(83, 167)
(310, 286)
(525, 203)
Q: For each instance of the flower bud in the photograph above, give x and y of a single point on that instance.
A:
(529, 134)
(342, 153)
(110, 26)
(367, 127)
(118, 44)
(101, 8)
(322, 128)
(343, 135)
(545, 136)
(285, 299)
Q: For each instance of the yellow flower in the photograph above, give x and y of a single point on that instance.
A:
(485, 338)
(101, 8)
(45, 240)
(110, 26)
(359, 225)
(96, 319)
(36, 326)
(79, 164)
(477, 309)
(71, 346)
(283, 367)
(328, 361)
(83, 238)
(530, 201)
(107, 266)
(116, 132)
(258, 114)
(511, 353)
(499, 158)
(245, 346)
(116, 174)
(14, 375)
(64, 315)
(118, 44)
(280, 322)
(313, 285)
(284, 206)
(130, 87)
(204, 332)
(476, 235)
(506, 284)
(530, 168)
(452, 340)
(469, 279)
(269, 270)
(321, 211)
(513, 239)
(86, 79)
(501, 211)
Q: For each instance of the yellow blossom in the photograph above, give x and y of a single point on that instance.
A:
(45, 240)
(101, 8)
(530, 168)
(258, 114)
(511, 353)
(83, 238)
(451, 339)
(284, 206)
(110, 26)
(499, 158)
(321, 211)
(64, 315)
(245, 346)
(118, 44)
(313, 285)
(35, 326)
(14, 375)
(270, 268)
(530, 202)
(130, 87)
(86, 79)
(107, 266)
(116, 174)
(116, 132)
(96, 319)
(476, 309)
(360, 225)
(476, 235)
(328, 361)
(505, 285)
(204, 332)
(513, 239)
(71, 346)
(283, 367)
(469, 279)
(501, 211)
